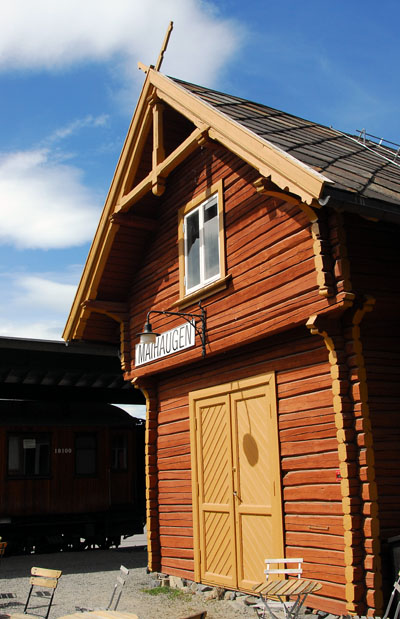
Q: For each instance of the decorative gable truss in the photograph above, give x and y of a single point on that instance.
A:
(168, 125)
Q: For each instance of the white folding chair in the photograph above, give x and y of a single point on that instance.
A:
(284, 588)
(396, 589)
(119, 585)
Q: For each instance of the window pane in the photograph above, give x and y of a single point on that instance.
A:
(85, 454)
(211, 245)
(14, 464)
(192, 250)
(36, 457)
(118, 452)
(29, 455)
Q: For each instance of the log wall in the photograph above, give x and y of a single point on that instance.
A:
(269, 259)
(375, 264)
(313, 522)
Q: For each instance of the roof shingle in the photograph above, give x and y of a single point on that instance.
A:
(353, 164)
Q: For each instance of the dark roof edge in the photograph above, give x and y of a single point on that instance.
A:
(366, 207)
(59, 346)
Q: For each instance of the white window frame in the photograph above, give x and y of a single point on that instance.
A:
(204, 281)
(214, 193)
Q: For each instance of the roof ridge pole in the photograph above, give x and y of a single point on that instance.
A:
(164, 46)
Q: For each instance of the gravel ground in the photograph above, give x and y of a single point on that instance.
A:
(87, 582)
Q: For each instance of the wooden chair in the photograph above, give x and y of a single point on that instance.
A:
(119, 585)
(284, 588)
(396, 589)
(42, 579)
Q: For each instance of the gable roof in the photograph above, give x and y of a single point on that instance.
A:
(351, 163)
(312, 162)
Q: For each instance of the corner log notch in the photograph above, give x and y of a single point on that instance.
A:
(356, 455)
(322, 249)
(120, 313)
(149, 390)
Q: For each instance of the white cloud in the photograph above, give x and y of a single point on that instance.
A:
(44, 203)
(39, 292)
(75, 126)
(37, 304)
(32, 329)
(51, 35)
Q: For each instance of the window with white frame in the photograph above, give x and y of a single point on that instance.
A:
(202, 245)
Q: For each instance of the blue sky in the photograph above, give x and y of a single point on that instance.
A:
(69, 84)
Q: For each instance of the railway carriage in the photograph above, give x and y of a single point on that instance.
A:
(71, 475)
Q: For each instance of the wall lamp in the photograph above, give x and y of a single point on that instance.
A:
(149, 337)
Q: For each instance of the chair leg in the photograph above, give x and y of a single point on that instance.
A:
(268, 609)
(28, 598)
(118, 599)
(112, 597)
(50, 603)
(396, 614)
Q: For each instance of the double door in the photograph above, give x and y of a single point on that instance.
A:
(236, 482)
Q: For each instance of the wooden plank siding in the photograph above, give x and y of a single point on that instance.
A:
(308, 293)
(375, 273)
(308, 445)
(273, 287)
(269, 257)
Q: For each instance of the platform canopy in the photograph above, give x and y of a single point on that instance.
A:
(50, 370)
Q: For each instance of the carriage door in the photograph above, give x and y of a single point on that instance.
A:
(236, 482)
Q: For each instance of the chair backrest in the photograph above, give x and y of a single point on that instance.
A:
(278, 567)
(119, 585)
(396, 589)
(43, 578)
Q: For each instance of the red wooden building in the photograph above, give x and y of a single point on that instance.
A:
(283, 437)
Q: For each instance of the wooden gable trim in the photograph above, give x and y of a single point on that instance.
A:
(120, 313)
(285, 170)
(163, 169)
(106, 231)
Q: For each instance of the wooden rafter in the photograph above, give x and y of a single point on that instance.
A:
(126, 220)
(163, 169)
(158, 184)
(287, 173)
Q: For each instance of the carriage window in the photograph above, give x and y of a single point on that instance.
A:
(28, 455)
(85, 454)
(119, 452)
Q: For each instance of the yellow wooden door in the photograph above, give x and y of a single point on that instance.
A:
(236, 482)
(214, 491)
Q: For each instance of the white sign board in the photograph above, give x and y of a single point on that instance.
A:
(166, 344)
